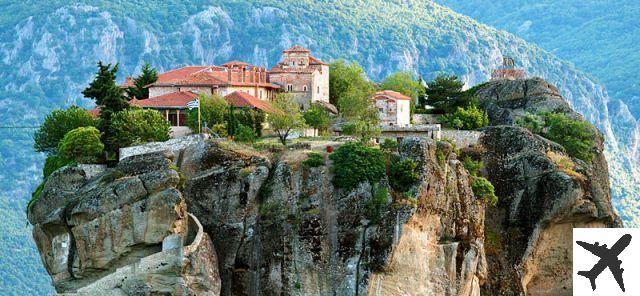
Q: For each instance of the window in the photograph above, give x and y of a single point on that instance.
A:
(318, 89)
(380, 109)
(304, 88)
(289, 87)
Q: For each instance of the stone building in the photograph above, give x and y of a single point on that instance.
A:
(302, 75)
(508, 71)
(393, 107)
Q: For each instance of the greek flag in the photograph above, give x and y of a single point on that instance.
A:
(193, 104)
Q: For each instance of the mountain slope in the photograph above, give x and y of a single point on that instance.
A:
(49, 53)
(601, 37)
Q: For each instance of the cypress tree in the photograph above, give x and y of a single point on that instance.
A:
(147, 76)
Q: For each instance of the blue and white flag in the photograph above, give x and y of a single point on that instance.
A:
(193, 104)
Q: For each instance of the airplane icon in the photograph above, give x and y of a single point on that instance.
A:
(608, 259)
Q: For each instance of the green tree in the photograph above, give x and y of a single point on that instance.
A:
(245, 134)
(317, 117)
(468, 118)
(81, 145)
(360, 116)
(109, 97)
(147, 76)
(354, 163)
(444, 93)
(57, 124)
(213, 110)
(347, 81)
(576, 136)
(286, 117)
(406, 84)
(484, 190)
(138, 126)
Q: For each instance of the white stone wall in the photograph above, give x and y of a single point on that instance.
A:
(403, 115)
(386, 112)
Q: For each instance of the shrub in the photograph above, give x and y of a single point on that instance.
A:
(220, 130)
(314, 160)
(137, 126)
(389, 145)
(472, 166)
(576, 136)
(354, 163)
(483, 189)
(212, 111)
(81, 145)
(245, 134)
(52, 164)
(57, 124)
(374, 208)
(468, 118)
(403, 174)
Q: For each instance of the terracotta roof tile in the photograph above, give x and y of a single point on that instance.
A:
(297, 48)
(170, 100)
(242, 99)
(386, 94)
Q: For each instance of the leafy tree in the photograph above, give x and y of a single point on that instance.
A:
(403, 174)
(468, 118)
(286, 118)
(81, 145)
(57, 124)
(484, 190)
(147, 76)
(249, 117)
(361, 117)
(355, 163)
(347, 81)
(406, 84)
(138, 126)
(109, 97)
(245, 134)
(576, 136)
(444, 93)
(389, 145)
(213, 110)
(317, 117)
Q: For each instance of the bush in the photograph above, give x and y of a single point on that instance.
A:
(81, 145)
(403, 174)
(213, 110)
(576, 136)
(52, 164)
(472, 166)
(389, 145)
(484, 190)
(57, 124)
(137, 126)
(468, 118)
(245, 134)
(314, 160)
(354, 163)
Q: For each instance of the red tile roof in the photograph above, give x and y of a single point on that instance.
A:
(297, 48)
(242, 99)
(315, 61)
(389, 94)
(95, 112)
(170, 100)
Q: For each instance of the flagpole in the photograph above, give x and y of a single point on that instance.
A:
(199, 124)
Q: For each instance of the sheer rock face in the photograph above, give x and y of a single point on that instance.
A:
(544, 193)
(280, 227)
(122, 231)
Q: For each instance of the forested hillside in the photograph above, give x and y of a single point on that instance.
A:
(49, 51)
(600, 37)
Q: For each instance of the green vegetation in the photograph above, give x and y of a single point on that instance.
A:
(444, 94)
(347, 81)
(375, 207)
(483, 189)
(317, 117)
(403, 174)
(286, 118)
(57, 124)
(213, 110)
(109, 97)
(355, 163)
(472, 166)
(576, 136)
(468, 118)
(389, 145)
(81, 145)
(314, 160)
(137, 126)
(147, 76)
(52, 164)
(245, 134)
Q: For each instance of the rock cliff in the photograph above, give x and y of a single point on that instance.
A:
(277, 227)
(544, 193)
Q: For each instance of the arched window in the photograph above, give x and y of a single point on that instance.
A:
(304, 88)
(289, 87)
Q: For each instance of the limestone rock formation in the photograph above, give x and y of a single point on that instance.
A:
(544, 193)
(123, 231)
